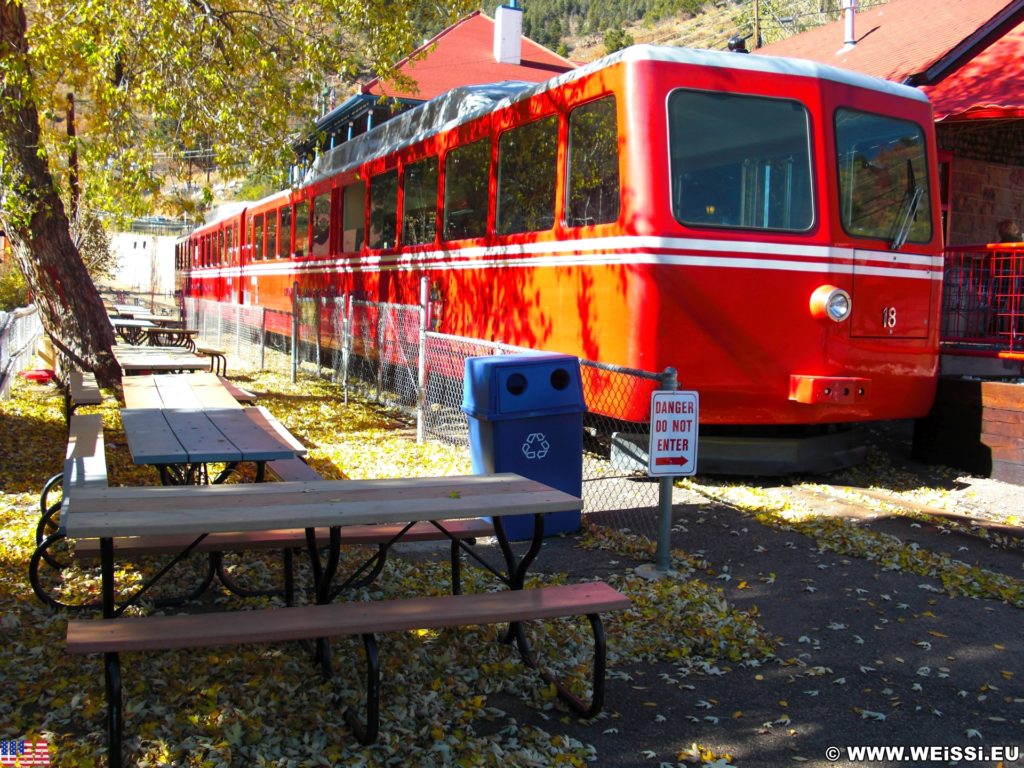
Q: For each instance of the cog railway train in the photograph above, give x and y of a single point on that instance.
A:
(769, 227)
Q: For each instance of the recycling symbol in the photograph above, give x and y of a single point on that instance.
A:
(536, 446)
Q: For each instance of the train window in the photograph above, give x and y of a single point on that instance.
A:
(883, 177)
(466, 173)
(270, 237)
(321, 225)
(257, 251)
(285, 240)
(301, 228)
(592, 180)
(383, 210)
(229, 245)
(353, 216)
(740, 161)
(527, 164)
(419, 202)
(220, 248)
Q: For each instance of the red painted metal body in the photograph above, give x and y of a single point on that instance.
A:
(727, 306)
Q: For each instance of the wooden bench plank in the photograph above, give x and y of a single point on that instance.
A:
(294, 469)
(267, 419)
(85, 464)
(84, 389)
(241, 395)
(248, 428)
(365, 535)
(262, 506)
(149, 633)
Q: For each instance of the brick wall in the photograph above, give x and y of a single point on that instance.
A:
(987, 184)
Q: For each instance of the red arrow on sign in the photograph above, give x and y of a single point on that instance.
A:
(663, 461)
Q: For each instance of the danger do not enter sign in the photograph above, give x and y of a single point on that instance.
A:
(673, 446)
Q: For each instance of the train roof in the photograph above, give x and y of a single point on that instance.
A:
(463, 104)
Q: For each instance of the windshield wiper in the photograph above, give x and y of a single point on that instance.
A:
(908, 210)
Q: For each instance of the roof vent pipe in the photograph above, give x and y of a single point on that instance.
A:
(508, 33)
(849, 8)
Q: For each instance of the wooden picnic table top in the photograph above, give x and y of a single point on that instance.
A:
(134, 358)
(141, 511)
(130, 322)
(185, 390)
(202, 435)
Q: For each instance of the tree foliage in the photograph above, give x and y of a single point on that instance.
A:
(154, 78)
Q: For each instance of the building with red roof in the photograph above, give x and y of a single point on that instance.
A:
(966, 55)
(473, 51)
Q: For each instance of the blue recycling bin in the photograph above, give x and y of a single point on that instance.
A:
(526, 416)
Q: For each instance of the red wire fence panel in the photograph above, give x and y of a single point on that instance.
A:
(983, 299)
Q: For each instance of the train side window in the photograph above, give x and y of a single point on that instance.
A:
(383, 210)
(257, 251)
(353, 217)
(527, 165)
(321, 225)
(270, 237)
(301, 228)
(419, 202)
(284, 241)
(221, 252)
(883, 177)
(467, 171)
(740, 161)
(592, 180)
(229, 245)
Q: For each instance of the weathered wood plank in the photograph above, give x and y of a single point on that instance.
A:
(251, 435)
(339, 619)
(140, 511)
(150, 438)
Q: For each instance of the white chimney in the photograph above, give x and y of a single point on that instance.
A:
(849, 8)
(508, 34)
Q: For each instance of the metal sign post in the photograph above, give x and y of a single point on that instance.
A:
(672, 451)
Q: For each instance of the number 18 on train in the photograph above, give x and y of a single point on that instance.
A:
(673, 447)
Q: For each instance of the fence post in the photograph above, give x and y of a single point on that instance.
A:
(381, 321)
(421, 367)
(319, 303)
(295, 331)
(662, 562)
(347, 346)
(238, 331)
(263, 337)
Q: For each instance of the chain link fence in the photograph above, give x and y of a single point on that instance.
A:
(386, 354)
(19, 331)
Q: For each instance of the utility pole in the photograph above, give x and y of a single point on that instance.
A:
(757, 24)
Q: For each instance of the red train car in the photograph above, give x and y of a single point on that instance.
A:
(770, 227)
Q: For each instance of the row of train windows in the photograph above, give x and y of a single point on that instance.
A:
(525, 201)
(736, 161)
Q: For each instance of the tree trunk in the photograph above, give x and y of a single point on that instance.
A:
(36, 224)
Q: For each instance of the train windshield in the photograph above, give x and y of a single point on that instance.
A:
(883, 177)
(740, 161)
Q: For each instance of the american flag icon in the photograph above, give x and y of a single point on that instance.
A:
(19, 752)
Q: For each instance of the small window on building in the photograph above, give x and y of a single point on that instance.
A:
(527, 165)
(321, 225)
(466, 173)
(419, 202)
(383, 210)
(353, 217)
(592, 181)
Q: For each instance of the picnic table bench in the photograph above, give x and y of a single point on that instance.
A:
(81, 389)
(337, 506)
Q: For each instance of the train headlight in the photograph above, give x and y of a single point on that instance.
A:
(831, 302)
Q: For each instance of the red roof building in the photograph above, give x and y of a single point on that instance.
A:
(473, 51)
(967, 56)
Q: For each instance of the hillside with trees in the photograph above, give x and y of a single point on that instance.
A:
(578, 28)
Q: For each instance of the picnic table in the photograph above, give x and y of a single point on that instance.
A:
(163, 336)
(131, 330)
(181, 441)
(178, 390)
(135, 359)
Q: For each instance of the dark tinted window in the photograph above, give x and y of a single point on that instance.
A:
(383, 210)
(466, 173)
(419, 202)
